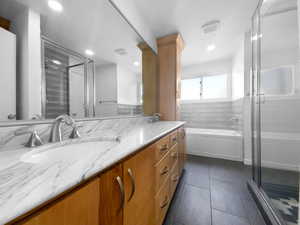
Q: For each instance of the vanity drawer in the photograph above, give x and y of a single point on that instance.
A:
(161, 148)
(162, 201)
(173, 138)
(174, 154)
(174, 178)
(162, 172)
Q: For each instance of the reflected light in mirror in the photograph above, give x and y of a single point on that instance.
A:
(211, 48)
(136, 63)
(89, 52)
(55, 6)
(57, 62)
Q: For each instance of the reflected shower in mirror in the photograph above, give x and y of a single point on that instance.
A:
(57, 62)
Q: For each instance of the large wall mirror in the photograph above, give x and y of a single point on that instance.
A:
(77, 57)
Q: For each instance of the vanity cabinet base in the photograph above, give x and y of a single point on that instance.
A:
(140, 188)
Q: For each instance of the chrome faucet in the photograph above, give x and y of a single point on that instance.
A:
(156, 117)
(34, 138)
(56, 131)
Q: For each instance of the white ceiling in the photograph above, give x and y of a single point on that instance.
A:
(187, 17)
(88, 24)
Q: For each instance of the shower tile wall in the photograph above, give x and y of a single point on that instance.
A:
(213, 115)
(278, 115)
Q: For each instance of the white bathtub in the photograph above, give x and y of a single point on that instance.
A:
(225, 144)
(279, 150)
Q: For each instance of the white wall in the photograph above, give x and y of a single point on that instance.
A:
(238, 71)
(27, 28)
(106, 89)
(7, 74)
(128, 84)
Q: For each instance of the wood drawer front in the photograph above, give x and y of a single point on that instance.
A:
(174, 155)
(174, 178)
(162, 202)
(161, 148)
(162, 172)
(173, 138)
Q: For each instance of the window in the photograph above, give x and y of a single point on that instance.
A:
(277, 81)
(204, 87)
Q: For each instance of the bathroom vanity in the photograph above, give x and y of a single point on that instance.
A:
(111, 182)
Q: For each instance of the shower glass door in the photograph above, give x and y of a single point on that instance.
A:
(280, 107)
(276, 107)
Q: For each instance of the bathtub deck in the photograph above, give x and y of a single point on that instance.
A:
(213, 192)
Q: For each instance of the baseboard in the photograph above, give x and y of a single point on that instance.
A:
(218, 156)
(275, 165)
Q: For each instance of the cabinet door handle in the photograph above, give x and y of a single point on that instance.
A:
(165, 203)
(122, 192)
(132, 183)
(164, 148)
(164, 171)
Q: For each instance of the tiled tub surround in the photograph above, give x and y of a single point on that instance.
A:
(225, 115)
(30, 177)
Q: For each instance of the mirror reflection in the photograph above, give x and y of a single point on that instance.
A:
(82, 60)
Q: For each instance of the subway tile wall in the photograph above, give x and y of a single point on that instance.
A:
(213, 115)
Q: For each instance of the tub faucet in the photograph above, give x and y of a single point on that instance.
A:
(56, 131)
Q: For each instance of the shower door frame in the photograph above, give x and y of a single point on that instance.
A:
(85, 62)
(270, 213)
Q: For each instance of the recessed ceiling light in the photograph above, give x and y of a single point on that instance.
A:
(136, 63)
(56, 62)
(55, 5)
(89, 52)
(211, 48)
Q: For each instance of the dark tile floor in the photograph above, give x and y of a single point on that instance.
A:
(213, 192)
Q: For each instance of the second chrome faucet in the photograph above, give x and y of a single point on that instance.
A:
(56, 131)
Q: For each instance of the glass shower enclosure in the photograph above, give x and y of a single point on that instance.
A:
(275, 101)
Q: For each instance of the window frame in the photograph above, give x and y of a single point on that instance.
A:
(225, 99)
(293, 91)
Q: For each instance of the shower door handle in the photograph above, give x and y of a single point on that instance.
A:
(261, 97)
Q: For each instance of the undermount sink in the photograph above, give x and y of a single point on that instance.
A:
(65, 151)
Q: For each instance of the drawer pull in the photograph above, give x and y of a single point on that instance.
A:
(122, 192)
(164, 148)
(174, 139)
(132, 183)
(164, 171)
(165, 203)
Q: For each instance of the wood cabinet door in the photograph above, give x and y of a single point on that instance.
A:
(139, 179)
(182, 148)
(112, 196)
(80, 207)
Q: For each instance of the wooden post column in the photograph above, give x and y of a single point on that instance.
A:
(169, 60)
(150, 80)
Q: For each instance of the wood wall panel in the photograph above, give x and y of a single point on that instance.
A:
(150, 80)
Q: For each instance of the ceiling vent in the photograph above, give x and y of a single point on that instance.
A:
(211, 26)
(121, 51)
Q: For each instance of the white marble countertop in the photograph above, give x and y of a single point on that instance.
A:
(29, 178)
